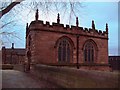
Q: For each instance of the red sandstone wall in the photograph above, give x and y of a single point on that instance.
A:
(43, 42)
(44, 50)
(102, 53)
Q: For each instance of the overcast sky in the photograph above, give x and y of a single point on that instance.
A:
(100, 12)
(104, 13)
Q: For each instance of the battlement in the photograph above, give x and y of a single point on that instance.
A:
(58, 27)
(40, 25)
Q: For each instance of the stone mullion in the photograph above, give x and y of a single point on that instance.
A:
(62, 51)
(87, 54)
(66, 51)
(85, 57)
(90, 54)
(93, 55)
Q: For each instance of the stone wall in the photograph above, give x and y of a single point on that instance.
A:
(76, 78)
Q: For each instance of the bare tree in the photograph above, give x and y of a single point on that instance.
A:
(45, 5)
(14, 8)
(6, 9)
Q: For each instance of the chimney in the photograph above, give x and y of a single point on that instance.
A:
(12, 45)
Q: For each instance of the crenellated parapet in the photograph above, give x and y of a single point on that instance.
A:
(40, 25)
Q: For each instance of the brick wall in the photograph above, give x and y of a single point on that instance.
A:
(13, 56)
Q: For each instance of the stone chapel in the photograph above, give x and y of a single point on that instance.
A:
(67, 46)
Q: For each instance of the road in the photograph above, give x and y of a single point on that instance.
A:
(18, 79)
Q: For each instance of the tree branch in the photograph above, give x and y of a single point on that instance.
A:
(9, 7)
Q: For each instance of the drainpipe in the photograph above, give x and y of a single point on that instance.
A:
(77, 51)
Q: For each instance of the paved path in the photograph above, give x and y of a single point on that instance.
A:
(17, 79)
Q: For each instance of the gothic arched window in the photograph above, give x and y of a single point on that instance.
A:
(89, 52)
(64, 50)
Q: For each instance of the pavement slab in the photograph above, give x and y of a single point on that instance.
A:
(18, 79)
